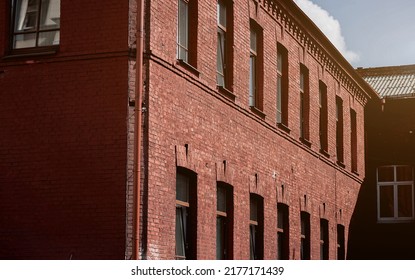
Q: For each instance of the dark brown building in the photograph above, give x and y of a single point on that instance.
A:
(383, 225)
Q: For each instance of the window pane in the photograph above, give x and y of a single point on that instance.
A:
(386, 174)
(26, 15)
(221, 199)
(182, 187)
(252, 81)
(183, 30)
(403, 173)
(405, 201)
(254, 209)
(24, 41)
(279, 62)
(253, 40)
(180, 231)
(252, 239)
(50, 14)
(48, 38)
(220, 238)
(279, 99)
(386, 201)
(222, 13)
(220, 58)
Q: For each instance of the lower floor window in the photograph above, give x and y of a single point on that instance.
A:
(395, 191)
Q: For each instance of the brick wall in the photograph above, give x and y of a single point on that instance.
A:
(63, 150)
(187, 109)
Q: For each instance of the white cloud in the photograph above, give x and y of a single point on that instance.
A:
(329, 26)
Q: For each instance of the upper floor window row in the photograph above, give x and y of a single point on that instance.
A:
(35, 23)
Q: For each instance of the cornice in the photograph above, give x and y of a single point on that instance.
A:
(323, 52)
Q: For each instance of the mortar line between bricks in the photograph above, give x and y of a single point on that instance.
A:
(171, 67)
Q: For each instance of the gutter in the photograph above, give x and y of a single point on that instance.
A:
(138, 129)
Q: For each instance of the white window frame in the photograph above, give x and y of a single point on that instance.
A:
(395, 184)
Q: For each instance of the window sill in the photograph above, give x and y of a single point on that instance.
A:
(32, 52)
(188, 67)
(258, 112)
(305, 142)
(341, 164)
(227, 93)
(283, 127)
(396, 221)
(324, 153)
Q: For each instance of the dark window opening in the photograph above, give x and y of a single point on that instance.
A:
(282, 232)
(186, 223)
(256, 227)
(224, 222)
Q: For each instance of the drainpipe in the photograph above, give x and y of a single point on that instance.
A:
(137, 128)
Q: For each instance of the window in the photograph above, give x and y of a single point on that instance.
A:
(353, 136)
(395, 189)
(323, 118)
(255, 67)
(36, 23)
(224, 222)
(304, 103)
(185, 214)
(341, 252)
(187, 32)
(256, 227)
(282, 232)
(282, 85)
(339, 130)
(224, 55)
(324, 239)
(305, 236)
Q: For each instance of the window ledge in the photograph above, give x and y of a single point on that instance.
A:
(325, 153)
(283, 127)
(258, 112)
(305, 142)
(188, 67)
(395, 221)
(341, 164)
(21, 53)
(227, 93)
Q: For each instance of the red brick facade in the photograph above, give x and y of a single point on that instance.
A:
(68, 125)
(63, 147)
(190, 124)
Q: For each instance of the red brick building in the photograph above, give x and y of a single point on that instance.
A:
(63, 144)
(251, 132)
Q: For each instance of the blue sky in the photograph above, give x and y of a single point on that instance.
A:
(369, 33)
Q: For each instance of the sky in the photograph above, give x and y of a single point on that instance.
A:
(369, 33)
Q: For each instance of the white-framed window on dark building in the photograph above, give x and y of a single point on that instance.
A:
(395, 193)
(224, 54)
(187, 32)
(324, 239)
(305, 236)
(36, 24)
(224, 221)
(186, 223)
(256, 227)
(282, 232)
